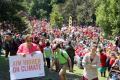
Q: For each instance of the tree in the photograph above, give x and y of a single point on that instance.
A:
(8, 15)
(81, 10)
(56, 18)
(85, 12)
(41, 8)
(108, 16)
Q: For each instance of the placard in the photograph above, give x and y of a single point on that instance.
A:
(26, 67)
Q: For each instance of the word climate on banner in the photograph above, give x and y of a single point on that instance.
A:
(26, 67)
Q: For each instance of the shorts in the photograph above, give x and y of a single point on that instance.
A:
(102, 69)
(63, 69)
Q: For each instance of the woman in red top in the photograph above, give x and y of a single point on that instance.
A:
(42, 45)
(103, 59)
(112, 60)
(27, 48)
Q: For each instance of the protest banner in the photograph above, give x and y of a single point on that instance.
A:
(26, 67)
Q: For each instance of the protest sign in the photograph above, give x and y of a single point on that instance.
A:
(26, 67)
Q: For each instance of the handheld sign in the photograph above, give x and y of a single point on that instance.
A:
(26, 67)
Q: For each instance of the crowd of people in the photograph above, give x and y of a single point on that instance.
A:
(62, 48)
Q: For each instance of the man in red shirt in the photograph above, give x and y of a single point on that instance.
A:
(103, 59)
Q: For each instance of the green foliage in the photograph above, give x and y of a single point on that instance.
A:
(85, 11)
(56, 18)
(57, 1)
(80, 10)
(104, 13)
(8, 14)
(108, 16)
(28, 4)
(41, 8)
(67, 10)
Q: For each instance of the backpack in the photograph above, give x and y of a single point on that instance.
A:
(63, 55)
(68, 65)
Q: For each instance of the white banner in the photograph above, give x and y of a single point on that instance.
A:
(26, 67)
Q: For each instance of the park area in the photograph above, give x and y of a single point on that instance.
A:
(64, 32)
(49, 75)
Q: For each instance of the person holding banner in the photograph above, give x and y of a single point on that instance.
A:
(27, 48)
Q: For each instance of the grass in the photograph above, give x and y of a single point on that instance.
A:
(4, 71)
(80, 71)
(50, 75)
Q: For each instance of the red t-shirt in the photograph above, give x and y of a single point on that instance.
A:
(103, 59)
(112, 60)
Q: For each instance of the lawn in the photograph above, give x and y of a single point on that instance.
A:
(4, 72)
(50, 75)
(80, 71)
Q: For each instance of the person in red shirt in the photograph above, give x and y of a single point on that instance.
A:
(28, 47)
(103, 59)
(42, 45)
(112, 60)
